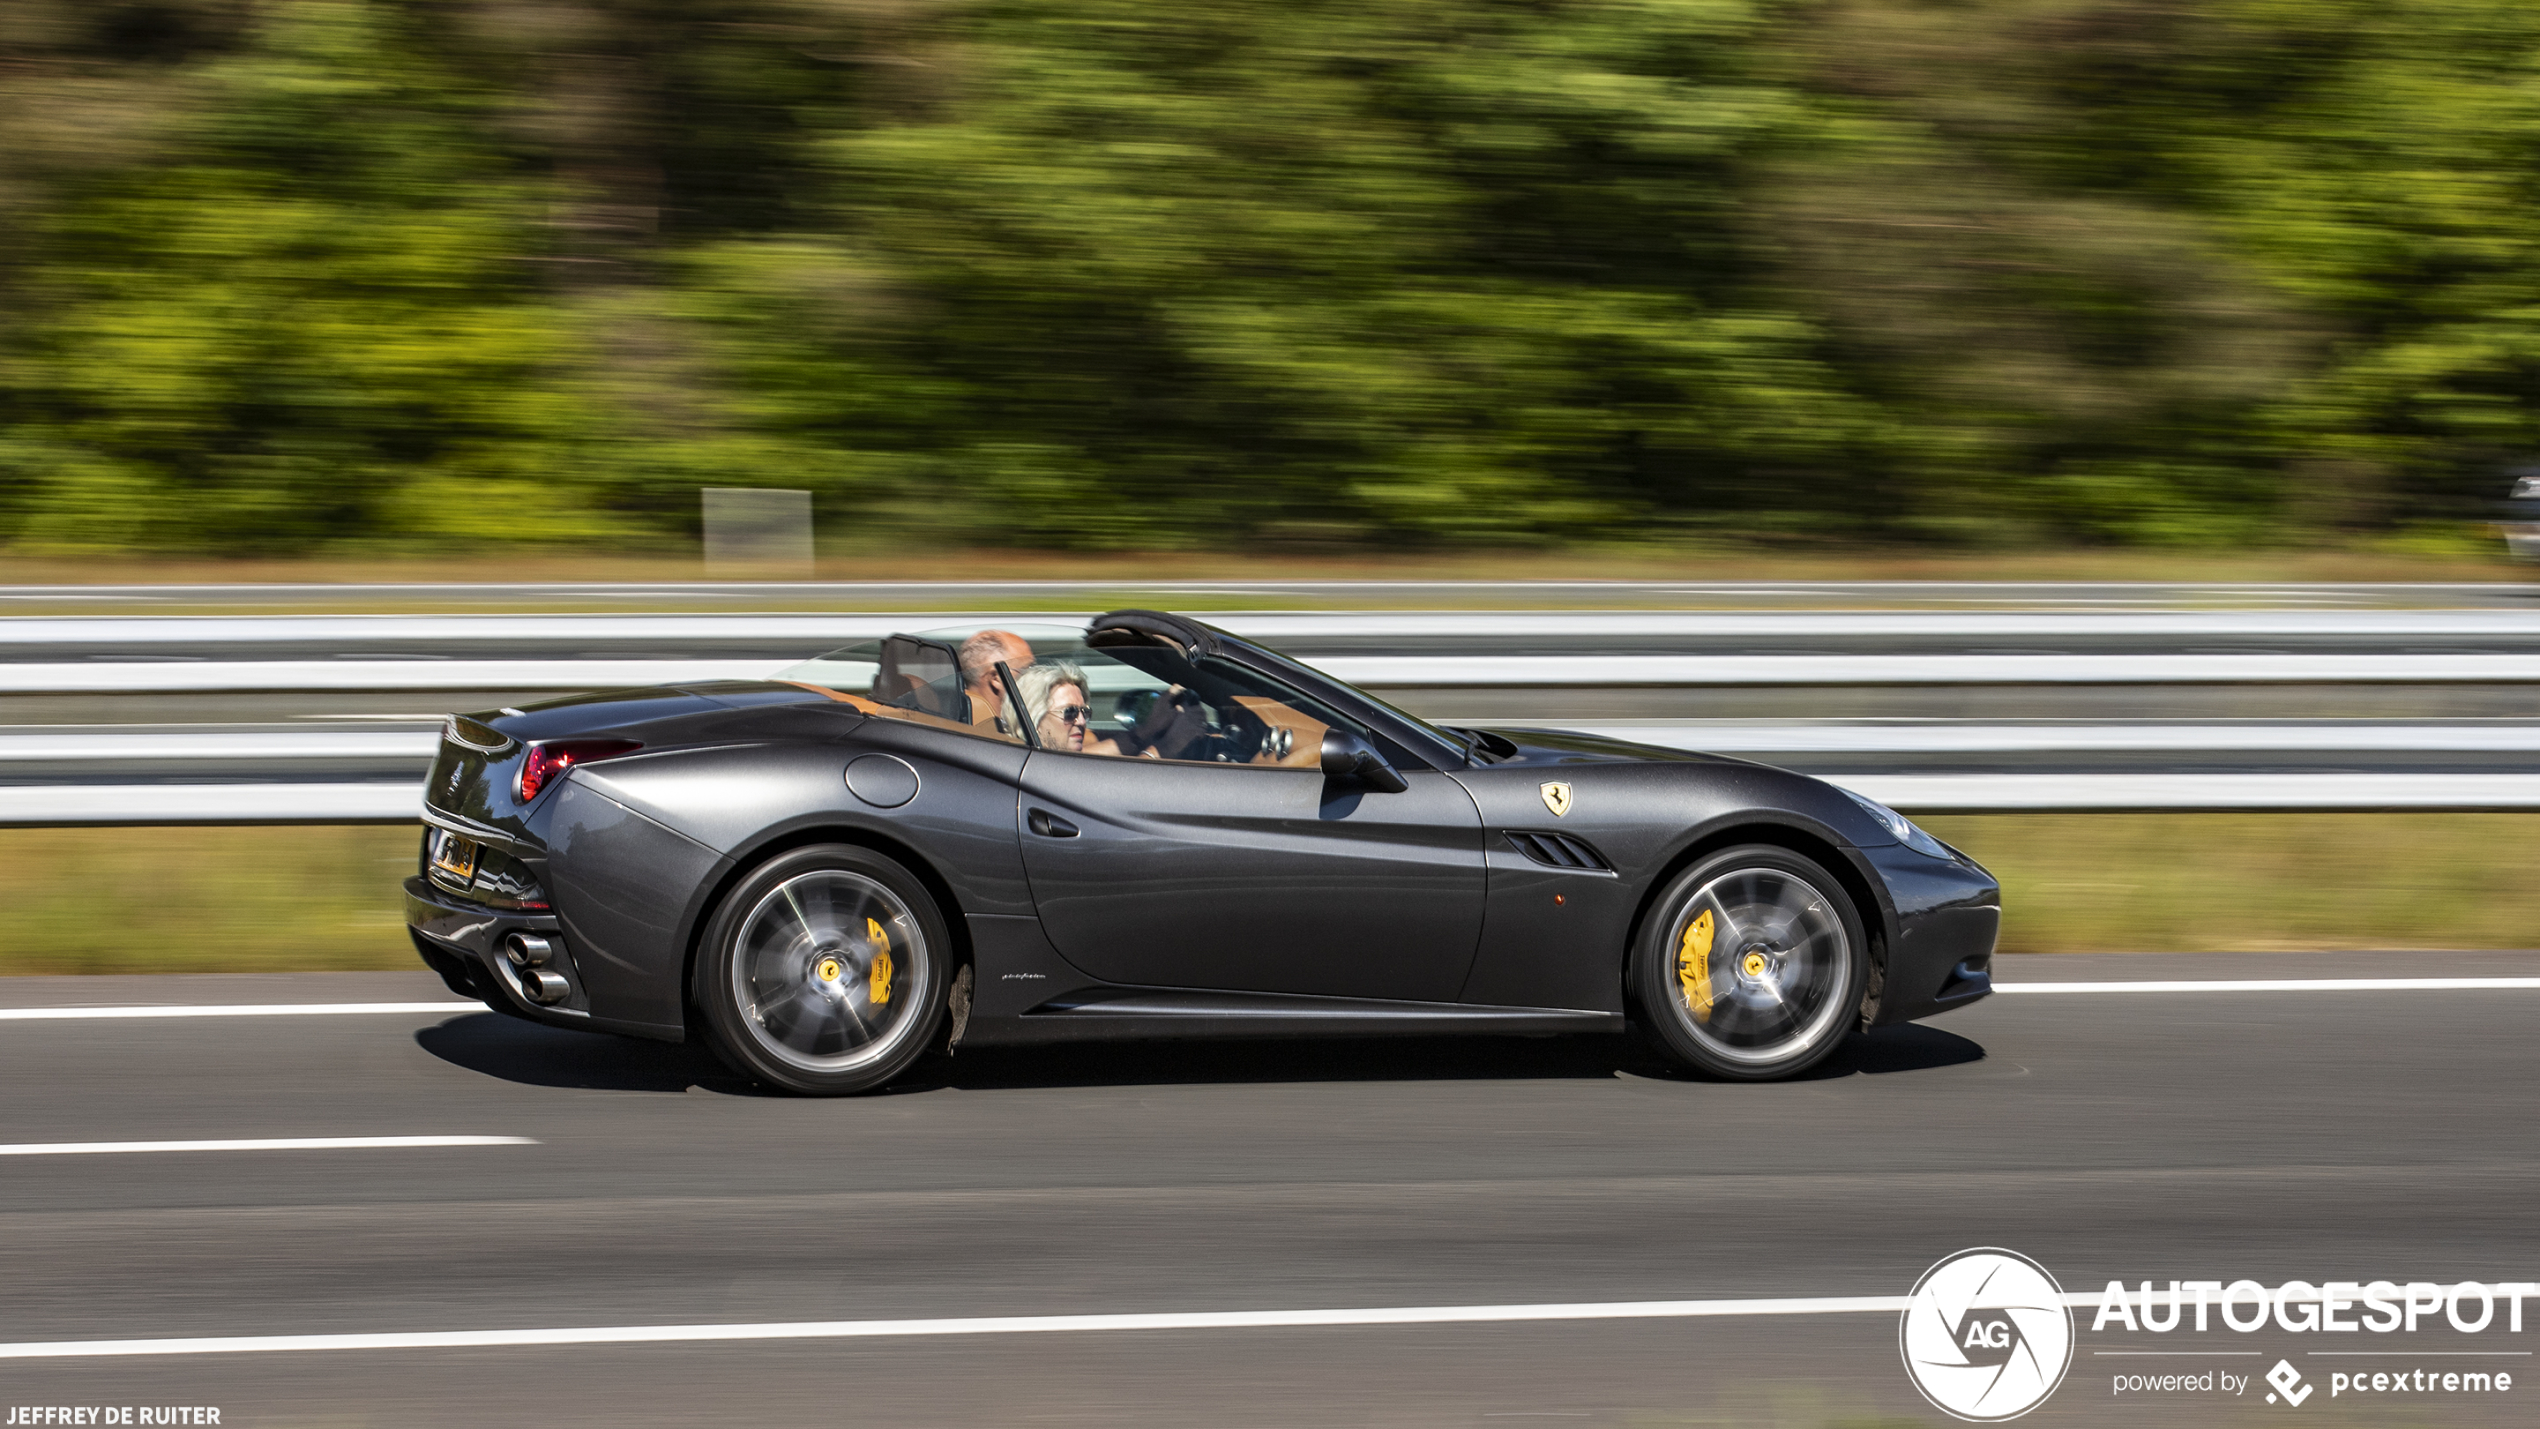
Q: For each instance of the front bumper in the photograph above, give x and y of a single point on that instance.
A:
(463, 942)
(1948, 915)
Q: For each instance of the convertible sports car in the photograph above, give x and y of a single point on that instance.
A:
(1147, 827)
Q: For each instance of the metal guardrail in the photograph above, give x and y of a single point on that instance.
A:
(374, 774)
(76, 804)
(1374, 671)
(496, 631)
(1387, 650)
(216, 747)
(393, 797)
(114, 677)
(1886, 738)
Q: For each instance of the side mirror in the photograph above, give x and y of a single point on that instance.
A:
(1347, 759)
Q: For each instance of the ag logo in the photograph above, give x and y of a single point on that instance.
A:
(1986, 1335)
(1556, 797)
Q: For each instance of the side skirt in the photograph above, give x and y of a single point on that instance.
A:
(1123, 1014)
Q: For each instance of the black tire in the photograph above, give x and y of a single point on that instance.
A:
(794, 988)
(1780, 981)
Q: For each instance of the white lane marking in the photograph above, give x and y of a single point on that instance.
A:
(987, 1325)
(2315, 984)
(242, 1009)
(978, 1325)
(271, 1143)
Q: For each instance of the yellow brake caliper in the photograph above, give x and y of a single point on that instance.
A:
(1693, 965)
(881, 960)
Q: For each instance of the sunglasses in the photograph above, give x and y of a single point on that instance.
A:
(1073, 714)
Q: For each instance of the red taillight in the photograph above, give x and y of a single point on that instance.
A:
(546, 761)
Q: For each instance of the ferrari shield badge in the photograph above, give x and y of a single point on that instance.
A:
(1556, 797)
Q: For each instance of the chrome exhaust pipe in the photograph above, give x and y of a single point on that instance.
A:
(529, 954)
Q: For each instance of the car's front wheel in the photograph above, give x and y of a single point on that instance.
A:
(824, 971)
(1751, 964)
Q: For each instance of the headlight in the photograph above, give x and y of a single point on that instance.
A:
(1902, 828)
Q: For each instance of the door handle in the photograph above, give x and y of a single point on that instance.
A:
(1049, 825)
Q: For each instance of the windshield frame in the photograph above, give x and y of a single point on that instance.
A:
(1416, 736)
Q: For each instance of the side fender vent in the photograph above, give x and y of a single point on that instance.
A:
(1559, 851)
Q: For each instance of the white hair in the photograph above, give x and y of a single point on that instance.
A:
(1037, 679)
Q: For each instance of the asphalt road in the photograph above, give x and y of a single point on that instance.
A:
(2263, 1135)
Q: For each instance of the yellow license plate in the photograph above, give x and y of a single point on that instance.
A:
(453, 858)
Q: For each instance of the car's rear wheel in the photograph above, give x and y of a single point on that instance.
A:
(824, 971)
(1751, 964)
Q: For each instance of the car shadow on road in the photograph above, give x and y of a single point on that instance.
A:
(1909, 1047)
(534, 1055)
(1889, 1049)
(539, 1056)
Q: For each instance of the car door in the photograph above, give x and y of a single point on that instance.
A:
(1216, 855)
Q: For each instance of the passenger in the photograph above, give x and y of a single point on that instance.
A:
(1054, 699)
(979, 656)
(1055, 693)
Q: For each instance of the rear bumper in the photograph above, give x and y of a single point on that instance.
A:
(462, 941)
(1948, 914)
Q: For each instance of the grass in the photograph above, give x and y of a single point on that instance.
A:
(2464, 557)
(2257, 882)
(309, 899)
(194, 900)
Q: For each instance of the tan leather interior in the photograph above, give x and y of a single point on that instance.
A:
(1305, 731)
(879, 710)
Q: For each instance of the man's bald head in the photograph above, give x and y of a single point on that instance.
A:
(981, 652)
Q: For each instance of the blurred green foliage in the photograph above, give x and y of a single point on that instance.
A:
(284, 276)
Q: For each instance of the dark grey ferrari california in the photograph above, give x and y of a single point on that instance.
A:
(1147, 827)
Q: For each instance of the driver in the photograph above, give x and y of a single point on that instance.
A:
(1173, 727)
